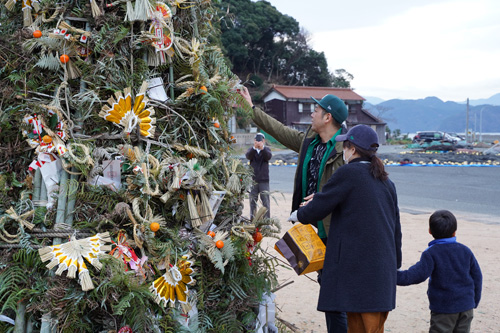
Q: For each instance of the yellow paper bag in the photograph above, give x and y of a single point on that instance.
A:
(303, 249)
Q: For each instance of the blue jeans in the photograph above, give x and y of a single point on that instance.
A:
(336, 322)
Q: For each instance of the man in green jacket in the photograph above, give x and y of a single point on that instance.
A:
(319, 154)
(319, 157)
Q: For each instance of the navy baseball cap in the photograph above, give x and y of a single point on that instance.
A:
(362, 136)
(259, 137)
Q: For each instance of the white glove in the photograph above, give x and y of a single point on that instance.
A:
(293, 217)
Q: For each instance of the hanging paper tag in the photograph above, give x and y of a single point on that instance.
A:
(156, 90)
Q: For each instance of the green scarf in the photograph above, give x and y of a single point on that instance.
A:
(330, 145)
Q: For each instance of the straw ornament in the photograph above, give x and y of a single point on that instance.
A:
(21, 218)
(69, 256)
(123, 113)
(173, 285)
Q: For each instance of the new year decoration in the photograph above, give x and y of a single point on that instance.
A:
(70, 256)
(173, 285)
(121, 111)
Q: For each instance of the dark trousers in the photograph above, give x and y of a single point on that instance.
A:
(263, 190)
(451, 322)
(336, 322)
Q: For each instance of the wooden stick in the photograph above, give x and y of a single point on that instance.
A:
(289, 325)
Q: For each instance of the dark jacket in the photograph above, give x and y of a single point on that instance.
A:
(298, 142)
(260, 163)
(363, 250)
(455, 277)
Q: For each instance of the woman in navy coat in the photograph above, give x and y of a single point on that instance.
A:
(363, 250)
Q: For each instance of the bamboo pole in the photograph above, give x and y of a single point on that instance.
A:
(171, 78)
(49, 325)
(20, 323)
(37, 185)
(72, 189)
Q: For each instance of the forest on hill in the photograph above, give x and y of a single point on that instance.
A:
(264, 45)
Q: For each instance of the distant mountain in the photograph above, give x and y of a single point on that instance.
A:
(431, 113)
(373, 100)
(493, 100)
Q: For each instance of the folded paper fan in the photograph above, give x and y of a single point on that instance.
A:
(123, 113)
(173, 284)
(69, 256)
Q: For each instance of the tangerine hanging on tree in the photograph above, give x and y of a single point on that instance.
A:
(257, 236)
(64, 58)
(219, 244)
(155, 226)
(37, 34)
(211, 234)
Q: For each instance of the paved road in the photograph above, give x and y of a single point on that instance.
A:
(471, 191)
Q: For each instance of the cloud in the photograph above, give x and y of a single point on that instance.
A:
(449, 50)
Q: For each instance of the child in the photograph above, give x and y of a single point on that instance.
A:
(455, 277)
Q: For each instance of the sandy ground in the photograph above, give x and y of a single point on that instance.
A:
(297, 302)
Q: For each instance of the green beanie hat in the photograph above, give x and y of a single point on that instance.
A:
(335, 106)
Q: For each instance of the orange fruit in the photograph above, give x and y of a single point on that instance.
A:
(155, 226)
(37, 34)
(216, 125)
(47, 139)
(211, 234)
(203, 90)
(219, 244)
(64, 58)
(257, 236)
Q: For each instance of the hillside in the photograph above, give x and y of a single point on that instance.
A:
(431, 113)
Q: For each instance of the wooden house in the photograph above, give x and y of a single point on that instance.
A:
(292, 106)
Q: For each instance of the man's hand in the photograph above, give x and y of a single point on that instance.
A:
(258, 145)
(246, 95)
(307, 200)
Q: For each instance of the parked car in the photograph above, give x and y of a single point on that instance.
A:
(455, 136)
(429, 136)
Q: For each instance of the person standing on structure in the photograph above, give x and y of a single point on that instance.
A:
(259, 156)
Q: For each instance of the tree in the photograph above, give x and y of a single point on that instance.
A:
(342, 79)
(98, 167)
(258, 39)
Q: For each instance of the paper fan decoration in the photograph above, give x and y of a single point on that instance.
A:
(69, 256)
(173, 284)
(122, 113)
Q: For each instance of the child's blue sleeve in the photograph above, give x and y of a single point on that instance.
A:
(475, 272)
(417, 273)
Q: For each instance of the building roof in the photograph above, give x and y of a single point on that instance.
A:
(301, 92)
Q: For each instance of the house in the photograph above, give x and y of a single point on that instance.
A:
(292, 106)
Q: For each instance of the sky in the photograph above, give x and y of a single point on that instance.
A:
(407, 49)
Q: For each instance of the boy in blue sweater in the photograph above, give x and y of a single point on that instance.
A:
(455, 277)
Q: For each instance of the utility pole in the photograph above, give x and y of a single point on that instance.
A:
(481, 125)
(467, 123)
